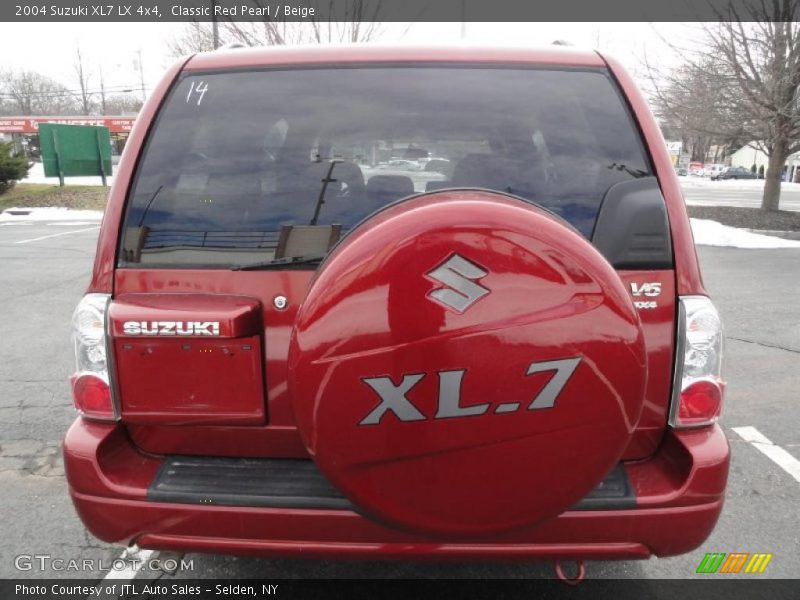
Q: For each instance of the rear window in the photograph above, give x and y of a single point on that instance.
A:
(259, 165)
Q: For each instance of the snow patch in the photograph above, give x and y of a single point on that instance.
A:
(49, 214)
(36, 175)
(70, 223)
(712, 233)
(691, 182)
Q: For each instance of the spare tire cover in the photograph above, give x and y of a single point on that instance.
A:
(466, 363)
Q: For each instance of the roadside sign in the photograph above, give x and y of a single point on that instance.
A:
(30, 125)
(75, 150)
(674, 149)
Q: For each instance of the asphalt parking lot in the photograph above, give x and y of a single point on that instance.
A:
(45, 267)
(744, 193)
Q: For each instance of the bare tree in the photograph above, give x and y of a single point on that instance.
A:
(123, 104)
(30, 93)
(761, 60)
(691, 108)
(751, 58)
(103, 103)
(85, 97)
(195, 37)
(5, 101)
(350, 21)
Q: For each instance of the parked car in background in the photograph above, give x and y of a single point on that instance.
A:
(439, 165)
(400, 165)
(734, 173)
(682, 171)
(696, 169)
(713, 170)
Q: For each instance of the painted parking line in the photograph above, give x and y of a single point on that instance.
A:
(778, 455)
(45, 237)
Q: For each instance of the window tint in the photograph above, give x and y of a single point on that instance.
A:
(246, 166)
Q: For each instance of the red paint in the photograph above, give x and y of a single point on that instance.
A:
(551, 296)
(680, 491)
(100, 460)
(237, 316)
(276, 329)
(280, 437)
(287, 56)
(261, 441)
(658, 325)
(687, 268)
(189, 379)
(679, 482)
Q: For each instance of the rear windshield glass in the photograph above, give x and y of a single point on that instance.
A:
(262, 165)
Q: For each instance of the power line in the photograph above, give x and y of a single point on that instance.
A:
(55, 93)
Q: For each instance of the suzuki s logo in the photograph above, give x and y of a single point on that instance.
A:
(393, 397)
(646, 289)
(458, 276)
(171, 328)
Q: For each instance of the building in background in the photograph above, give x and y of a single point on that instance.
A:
(749, 155)
(25, 130)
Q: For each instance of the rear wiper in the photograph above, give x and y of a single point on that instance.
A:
(633, 172)
(149, 203)
(321, 198)
(277, 263)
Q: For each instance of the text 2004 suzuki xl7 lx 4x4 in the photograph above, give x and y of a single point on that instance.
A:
(398, 303)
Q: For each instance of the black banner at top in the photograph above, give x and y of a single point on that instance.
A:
(390, 10)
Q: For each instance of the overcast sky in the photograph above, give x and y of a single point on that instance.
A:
(114, 47)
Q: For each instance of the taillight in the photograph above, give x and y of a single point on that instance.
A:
(698, 387)
(92, 396)
(91, 389)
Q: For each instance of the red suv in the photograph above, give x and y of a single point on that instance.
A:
(398, 303)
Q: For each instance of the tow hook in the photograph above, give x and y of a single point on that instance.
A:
(580, 572)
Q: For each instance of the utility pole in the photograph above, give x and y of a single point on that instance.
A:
(83, 81)
(141, 75)
(214, 24)
(102, 92)
(463, 19)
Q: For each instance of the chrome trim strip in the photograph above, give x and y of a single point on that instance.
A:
(110, 364)
(680, 354)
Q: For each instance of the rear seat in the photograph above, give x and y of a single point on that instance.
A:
(223, 196)
(383, 189)
(432, 186)
(523, 176)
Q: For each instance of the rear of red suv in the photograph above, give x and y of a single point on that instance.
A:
(424, 303)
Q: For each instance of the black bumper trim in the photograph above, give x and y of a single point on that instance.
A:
(265, 482)
(297, 483)
(613, 493)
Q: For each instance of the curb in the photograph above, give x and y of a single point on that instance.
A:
(786, 235)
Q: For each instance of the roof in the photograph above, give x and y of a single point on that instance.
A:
(363, 53)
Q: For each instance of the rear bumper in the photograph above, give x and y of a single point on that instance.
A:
(679, 496)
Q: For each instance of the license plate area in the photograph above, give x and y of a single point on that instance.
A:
(188, 359)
